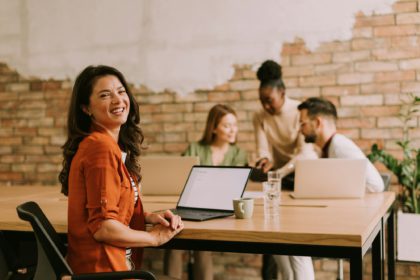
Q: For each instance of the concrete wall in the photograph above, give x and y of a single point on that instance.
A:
(177, 45)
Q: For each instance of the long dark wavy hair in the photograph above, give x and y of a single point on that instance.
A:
(79, 123)
(216, 113)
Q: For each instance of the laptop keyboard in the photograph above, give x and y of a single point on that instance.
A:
(199, 213)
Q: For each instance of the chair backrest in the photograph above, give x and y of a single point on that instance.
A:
(386, 177)
(51, 250)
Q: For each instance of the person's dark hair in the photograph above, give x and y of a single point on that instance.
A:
(318, 106)
(216, 113)
(270, 75)
(79, 123)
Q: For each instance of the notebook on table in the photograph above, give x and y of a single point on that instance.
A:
(330, 178)
(165, 175)
(209, 191)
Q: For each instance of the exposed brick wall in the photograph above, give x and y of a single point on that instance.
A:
(32, 128)
(366, 77)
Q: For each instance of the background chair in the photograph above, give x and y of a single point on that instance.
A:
(51, 250)
(386, 177)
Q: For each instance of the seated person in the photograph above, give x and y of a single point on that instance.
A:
(100, 175)
(317, 124)
(216, 147)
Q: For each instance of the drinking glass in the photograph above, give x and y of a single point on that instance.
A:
(274, 176)
(271, 191)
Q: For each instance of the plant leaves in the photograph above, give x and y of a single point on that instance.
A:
(407, 170)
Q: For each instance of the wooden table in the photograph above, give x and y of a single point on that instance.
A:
(339, 228)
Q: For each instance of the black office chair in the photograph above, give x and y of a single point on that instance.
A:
(51, 250)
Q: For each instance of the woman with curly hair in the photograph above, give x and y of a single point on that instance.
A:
(279, 144)
(101, 174)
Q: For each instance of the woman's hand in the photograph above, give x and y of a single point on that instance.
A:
(167, 219)
(167, 225)
(264, 164)
(162, 234)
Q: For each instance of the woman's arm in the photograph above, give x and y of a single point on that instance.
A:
(303, 151)
(264, 157)
(115, 233)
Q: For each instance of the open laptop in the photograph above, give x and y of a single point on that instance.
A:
(165, 175)
(209, 191)
(330, 178)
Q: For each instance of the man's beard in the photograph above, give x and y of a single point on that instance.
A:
(310, 138)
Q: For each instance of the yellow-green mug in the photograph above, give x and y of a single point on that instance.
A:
(244, 207)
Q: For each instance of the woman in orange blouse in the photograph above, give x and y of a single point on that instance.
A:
(101, 171)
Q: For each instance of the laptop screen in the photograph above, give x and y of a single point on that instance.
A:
(214, 187)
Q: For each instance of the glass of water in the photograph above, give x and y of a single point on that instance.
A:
(272, 193)
(274, 176)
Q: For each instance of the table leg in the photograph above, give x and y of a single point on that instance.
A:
(269, 267)
(391, 245)
(383, 245)
(377, 264)
(356, 267)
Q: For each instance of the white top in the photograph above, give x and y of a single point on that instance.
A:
(278, 137)
(343, 147)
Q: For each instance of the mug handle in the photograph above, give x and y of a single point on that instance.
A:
(241, 207)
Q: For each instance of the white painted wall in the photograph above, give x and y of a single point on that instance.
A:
(180, 45)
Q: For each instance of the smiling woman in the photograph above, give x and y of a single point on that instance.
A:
(100, 175)
(109, 104)
(276, 126)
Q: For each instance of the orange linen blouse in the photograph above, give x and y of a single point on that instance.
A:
(99, 189)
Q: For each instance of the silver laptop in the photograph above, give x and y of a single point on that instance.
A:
(165, 175)
(330, 178)
(209, 191)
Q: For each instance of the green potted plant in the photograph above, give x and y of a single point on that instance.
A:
(407, 171)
